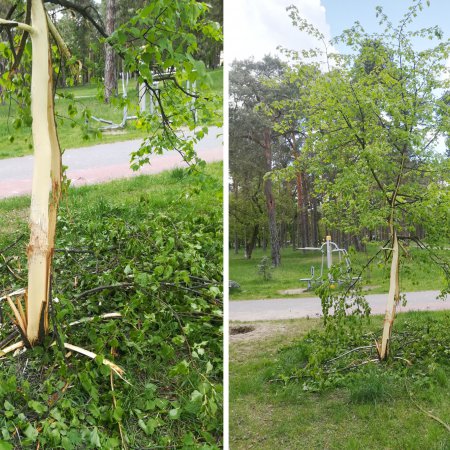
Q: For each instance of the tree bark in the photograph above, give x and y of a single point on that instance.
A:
(110, 59)
(270, 203)
(250, 245)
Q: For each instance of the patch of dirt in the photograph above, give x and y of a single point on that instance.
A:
(265, 339)
(258, 331)
(241, 329)
(295, 291)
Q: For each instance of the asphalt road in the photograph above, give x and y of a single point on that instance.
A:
(292, 308)
(100, 163)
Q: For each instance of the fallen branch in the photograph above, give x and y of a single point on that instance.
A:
(13, 244)
(13, 294)
(365, 347)
(102, 288)
(9, 338)
(113, 315)
(11, 348)
(432, 416)
(117, 370)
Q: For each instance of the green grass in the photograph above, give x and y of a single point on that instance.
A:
(417, 273)
(17, 142)
(162, 235)
(374, 411)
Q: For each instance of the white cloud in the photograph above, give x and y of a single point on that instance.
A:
(257, 27)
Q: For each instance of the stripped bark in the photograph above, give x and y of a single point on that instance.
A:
(46, 178)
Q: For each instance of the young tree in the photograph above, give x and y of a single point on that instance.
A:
(374, 120)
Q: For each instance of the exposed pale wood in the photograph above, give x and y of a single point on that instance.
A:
(17, 315)
(13, 294)
(118, 370)
(39, 249)
(393, 298)
(11, 348)
(20, 25)
(113, 315)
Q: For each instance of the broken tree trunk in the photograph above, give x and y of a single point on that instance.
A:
(393, 297)
(46, 178)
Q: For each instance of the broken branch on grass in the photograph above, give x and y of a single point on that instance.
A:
(102, 288)
(353, 366)
(117, 370)
(365, 347)
(432, 416)
(11, 348)
(13, 244)
(112, 315)
(9, 338)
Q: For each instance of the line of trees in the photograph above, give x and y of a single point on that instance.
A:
(312, 152)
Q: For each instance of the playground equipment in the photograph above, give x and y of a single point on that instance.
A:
(327, 249)
(145, 93)
(114, 126)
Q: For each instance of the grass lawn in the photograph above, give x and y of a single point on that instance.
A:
(159, 237)
(416, 274)
(17, 142)
(374, 411)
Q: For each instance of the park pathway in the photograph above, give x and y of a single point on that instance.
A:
(103, 162)
(293, 308)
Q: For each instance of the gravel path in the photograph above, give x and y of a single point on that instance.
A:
(100, 163)
(287, 308)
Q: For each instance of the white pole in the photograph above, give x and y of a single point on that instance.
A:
(329, 255)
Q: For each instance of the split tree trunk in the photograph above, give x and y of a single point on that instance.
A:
(46, 179)
(393, 297)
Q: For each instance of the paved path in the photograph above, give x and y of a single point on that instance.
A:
(104, 162)
(292, 308)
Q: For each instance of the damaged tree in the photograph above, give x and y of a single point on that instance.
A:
(31, 308)
(374, 120)
(46, 191)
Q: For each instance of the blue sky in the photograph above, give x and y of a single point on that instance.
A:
(257, 27)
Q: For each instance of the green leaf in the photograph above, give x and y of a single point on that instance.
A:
(37, 407)
(31, 432)
(175, 413)
(5, 445)
(95, 438)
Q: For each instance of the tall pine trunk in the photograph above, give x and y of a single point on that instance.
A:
(270, 203)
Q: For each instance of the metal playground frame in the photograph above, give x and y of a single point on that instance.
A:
(327, 249)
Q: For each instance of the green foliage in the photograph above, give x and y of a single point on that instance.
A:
(171, 64)
(347, 357)
(161, 254)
